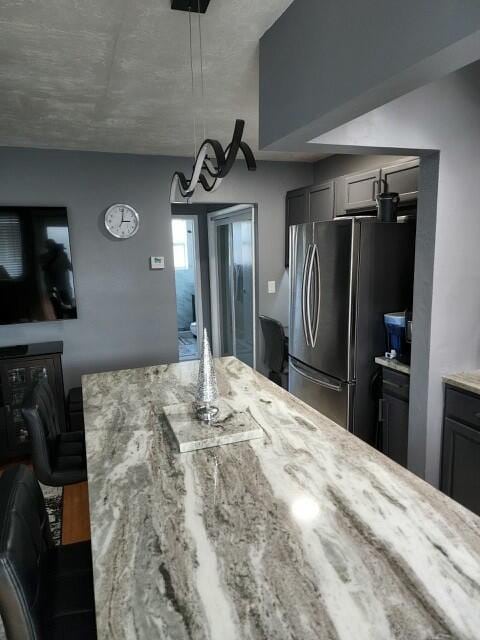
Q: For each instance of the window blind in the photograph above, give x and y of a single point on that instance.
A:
(11, 254)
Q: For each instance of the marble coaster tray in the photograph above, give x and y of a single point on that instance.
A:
(191, 434)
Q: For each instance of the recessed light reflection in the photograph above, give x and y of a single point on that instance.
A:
(305, 509)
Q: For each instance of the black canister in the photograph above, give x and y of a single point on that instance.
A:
(387, 205)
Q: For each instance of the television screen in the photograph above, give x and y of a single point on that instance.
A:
(36, 273)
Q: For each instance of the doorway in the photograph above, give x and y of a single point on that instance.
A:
(231, 235)
(187, 285)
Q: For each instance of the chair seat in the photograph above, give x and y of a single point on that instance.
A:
(70, 610)
(68, 458)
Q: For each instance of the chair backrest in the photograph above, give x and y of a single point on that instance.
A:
(40, 412)
(274, 338)
(25, 540)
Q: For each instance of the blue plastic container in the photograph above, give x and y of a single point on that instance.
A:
(395, 326)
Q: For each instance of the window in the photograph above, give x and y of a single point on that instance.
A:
(180, 248)
(11, 255)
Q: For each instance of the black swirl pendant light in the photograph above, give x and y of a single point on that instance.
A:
(212, 162)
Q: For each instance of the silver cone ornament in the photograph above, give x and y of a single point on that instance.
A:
(207, 390)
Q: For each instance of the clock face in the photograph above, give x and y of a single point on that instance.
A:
(122, 221)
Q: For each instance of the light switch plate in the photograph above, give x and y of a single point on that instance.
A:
(271, 286)
(157, 262)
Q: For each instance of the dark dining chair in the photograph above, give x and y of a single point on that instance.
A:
(46, 592)
(276, 350)
(58, 457)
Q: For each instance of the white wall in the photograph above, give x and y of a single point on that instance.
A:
(444, 116)
(126, 313)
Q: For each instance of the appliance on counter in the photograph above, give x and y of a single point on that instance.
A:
(398, 342)
(344, 275)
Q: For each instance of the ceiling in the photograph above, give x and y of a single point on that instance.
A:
(114, 75)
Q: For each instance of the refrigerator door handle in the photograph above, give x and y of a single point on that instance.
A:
(316, 280)
(305, 296)
(319, 381)
(312, 249)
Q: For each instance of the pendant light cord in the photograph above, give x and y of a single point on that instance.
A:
(193, 87)
(202, 81)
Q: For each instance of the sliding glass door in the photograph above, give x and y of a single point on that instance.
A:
(232, 283)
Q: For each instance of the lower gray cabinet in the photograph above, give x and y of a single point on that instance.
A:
(394, 415)
(460, 477)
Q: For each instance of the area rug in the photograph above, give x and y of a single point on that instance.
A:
(54, 503)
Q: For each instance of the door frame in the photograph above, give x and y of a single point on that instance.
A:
(198, 277)
(229, 214)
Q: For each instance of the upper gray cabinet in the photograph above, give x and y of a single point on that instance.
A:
(320, 202)
(296, 212)
(312, 204)
(403, 179)
(360, 190)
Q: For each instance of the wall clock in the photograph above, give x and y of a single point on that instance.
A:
(121, 221)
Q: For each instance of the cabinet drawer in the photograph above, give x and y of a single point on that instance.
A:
(396, 383)
(462, 406)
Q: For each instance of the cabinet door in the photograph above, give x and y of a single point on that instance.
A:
(461, 464)
(320, 202)
(360, 190)
(17, 376)
(395, 428)
(403, 179)
(296, 212)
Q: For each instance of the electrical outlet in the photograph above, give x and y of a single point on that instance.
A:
(271, 286)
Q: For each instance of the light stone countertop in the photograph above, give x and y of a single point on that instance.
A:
(395, 365)
(305, 534)
(469, 381)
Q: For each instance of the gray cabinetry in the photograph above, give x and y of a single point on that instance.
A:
(312, 204)
(320, 202)
(461, 448)
(394, 415)
(360, 191)
(296, 212)
(402, 178)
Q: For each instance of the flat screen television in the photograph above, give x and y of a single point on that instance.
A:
(36, 272)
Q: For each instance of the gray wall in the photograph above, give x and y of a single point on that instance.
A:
(126, 313)
(328, 61)
(267, 187)
(446, 329)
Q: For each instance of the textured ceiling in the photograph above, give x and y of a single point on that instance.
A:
(114, 75)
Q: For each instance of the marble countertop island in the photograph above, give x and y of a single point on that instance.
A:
(394, 364)
(469, 381)
(306, 534)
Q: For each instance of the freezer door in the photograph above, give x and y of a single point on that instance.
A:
(322, 296)
(331, 397)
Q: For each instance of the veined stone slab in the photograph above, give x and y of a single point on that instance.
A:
(305, 533)
(230, 426)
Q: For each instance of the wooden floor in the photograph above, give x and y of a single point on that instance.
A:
(76, 514)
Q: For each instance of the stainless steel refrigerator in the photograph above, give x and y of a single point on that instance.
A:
(344, 275)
